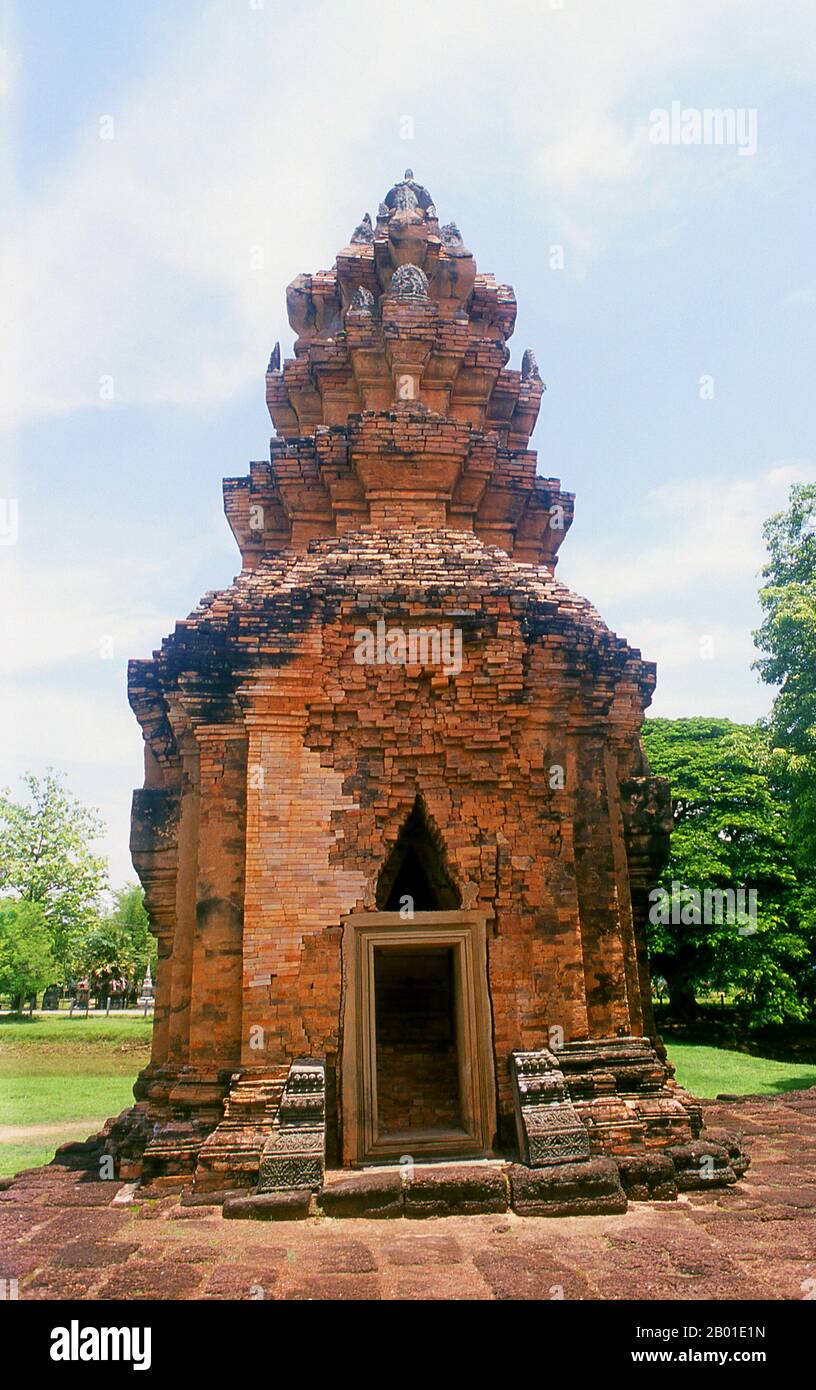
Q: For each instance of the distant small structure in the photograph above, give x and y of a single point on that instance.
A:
(147, 994)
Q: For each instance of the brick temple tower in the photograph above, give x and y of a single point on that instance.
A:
(397, 832)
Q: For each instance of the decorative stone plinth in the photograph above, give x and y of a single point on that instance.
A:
(171, 1157)
(548, 1128)
(377, 1194)
(458, 1190)
(294, 1155)
(416, 1192)
(613, 1125)
(647, 1177)
(623, 1094)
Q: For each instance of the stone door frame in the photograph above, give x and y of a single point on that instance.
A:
(465, 934)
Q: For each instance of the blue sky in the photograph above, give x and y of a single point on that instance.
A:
(247, 131)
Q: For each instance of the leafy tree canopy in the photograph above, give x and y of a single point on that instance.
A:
(46, 859)
(732, 828)
(26, 962)
(787, 642)
(120, 944)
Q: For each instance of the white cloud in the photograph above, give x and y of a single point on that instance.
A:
(688, 598)
(805, 294)
(57, 725)
(594, 149)
(53, 616)
(9, 70)
(699, 534)
(677, 643)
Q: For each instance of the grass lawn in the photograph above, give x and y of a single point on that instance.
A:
(711, 1071)
(60, 1079)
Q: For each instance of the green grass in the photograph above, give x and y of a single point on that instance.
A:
(20, 1030)
(67, 1073)
(710, 1071)
(37, 1098)
(15, 1157)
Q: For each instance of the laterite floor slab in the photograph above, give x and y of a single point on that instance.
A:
(60, 1237)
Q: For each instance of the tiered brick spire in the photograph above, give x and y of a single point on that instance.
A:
(398, 407)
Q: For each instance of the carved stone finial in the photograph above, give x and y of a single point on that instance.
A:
(364, 232)
(529, 366)
(405, 199)
(409, 282)
(452, 238)
(362, 299)
(294, 1155)
(408, 196)
(274, 359)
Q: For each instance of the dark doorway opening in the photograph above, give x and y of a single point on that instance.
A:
(417, 1056)
(415, 876)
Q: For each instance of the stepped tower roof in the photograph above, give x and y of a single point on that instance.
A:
(399, 407)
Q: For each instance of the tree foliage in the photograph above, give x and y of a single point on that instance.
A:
(26, 962)
(732, 832)
(46, 859)
(120, 944)
(787, 643)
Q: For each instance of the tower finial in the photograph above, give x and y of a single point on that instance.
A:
(408, 195)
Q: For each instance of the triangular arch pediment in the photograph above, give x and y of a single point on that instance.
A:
(417, 868)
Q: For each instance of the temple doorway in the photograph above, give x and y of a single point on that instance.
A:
(417, 1056)
(417, 1072)
(417, 1062)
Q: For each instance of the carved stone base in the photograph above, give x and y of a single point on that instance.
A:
(216, 1133)
(702, 1164)
(154, 1084)
(159, 1139)
(589, 1188)
(647, 1176)
(173, 1154)
(548, 1128)
(294, 1155)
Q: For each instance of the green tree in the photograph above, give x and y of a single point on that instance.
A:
(732, 832)
(46, 858)
(26, 962)
(787, 641)
(120, 944)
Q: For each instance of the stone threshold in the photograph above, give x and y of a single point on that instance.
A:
(599, 1186)
(446, 1189)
